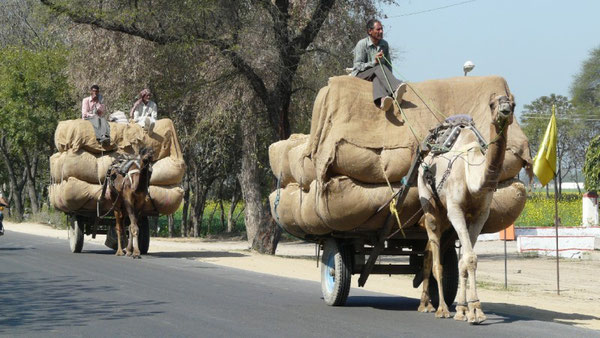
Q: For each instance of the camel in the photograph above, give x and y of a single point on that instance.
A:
(464, 178)
(128, 180)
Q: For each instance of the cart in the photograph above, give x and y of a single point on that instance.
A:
(88, 223)
(345, 253)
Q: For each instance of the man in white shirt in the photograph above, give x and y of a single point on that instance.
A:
(144, 112)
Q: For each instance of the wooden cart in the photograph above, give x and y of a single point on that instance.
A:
(87, 223)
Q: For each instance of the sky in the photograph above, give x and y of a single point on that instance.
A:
(537, 46)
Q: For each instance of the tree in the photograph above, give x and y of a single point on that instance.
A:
(261, 43)
(586, 84)
(34, 96)
(571, 143)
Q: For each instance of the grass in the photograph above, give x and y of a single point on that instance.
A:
(539, 210)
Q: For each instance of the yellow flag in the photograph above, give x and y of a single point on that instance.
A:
(544, 164)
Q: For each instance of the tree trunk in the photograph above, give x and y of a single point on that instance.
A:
(15, 192)
(171, 222)
(235, 198)
(200, 195)
(30, 169)
(261, 231)
(186, 205)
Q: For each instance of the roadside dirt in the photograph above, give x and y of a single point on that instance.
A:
(531, 291)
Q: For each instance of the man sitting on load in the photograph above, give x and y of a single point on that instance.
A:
(144, 111)
(92, 110)
(372, 62)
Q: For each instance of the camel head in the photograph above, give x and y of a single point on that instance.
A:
(502, 107)
(146, 156)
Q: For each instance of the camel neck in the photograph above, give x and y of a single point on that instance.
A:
(494, 157)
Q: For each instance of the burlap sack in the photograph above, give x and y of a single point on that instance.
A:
(56, 167)
(166, 199)
(507, 204)
(167, 171)
(82, 165)
(301, 166)
(345, 119)
(287, 209)
(308, 219)
(344, 204)
(127, 138)
(278, 157)
(296, 211)
(75, 195)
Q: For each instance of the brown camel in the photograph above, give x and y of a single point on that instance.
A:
(464, 179)
(128, 182)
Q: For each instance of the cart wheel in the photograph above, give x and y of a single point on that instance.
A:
(144, 235)
(450, 279)
(335, 273)
(75, 235)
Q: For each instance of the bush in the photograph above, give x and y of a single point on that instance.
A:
(539, 210)
(591, 167)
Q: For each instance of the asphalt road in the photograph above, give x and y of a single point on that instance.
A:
(47, 291)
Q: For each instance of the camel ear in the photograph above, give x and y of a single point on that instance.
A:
(513, 104)
(493, 101)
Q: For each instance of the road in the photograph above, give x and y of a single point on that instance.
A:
(47, 291)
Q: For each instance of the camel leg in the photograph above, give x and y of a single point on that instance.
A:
(133, 232)
(457, 218)
(425, 305)
(461, 301)
(119, 230)
(475, 314)
(434, 233)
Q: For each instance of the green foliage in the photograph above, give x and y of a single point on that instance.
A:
(586, 85)
(591, 168)
(210, 225)
(539, 210)
(34, 95)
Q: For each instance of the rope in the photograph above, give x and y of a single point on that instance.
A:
(394, 200)
(277, 197)
(398, 104)
(434, 111)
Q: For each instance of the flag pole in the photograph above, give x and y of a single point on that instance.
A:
(556, 228)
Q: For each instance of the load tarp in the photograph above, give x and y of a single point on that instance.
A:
(342, 166)
(79, 134)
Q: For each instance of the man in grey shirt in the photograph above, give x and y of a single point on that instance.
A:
(372, 62)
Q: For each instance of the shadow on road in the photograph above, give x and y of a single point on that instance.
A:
(527, 313)
(48, 303)
(196, 254)
(384, 303)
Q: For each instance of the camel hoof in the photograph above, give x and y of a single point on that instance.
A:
(136, 256)
(461, 312)
(119, 253)
(442, 313)
(427, 307)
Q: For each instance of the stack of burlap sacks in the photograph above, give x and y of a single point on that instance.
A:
(79, 167)
(335, 178)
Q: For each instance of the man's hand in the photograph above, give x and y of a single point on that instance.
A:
(378, 56)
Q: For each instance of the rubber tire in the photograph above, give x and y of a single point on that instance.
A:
(75, 235)
(450, 279)
(144, 235)
(335, 288)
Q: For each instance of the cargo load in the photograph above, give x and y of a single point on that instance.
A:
(79, 168)
(342, 169)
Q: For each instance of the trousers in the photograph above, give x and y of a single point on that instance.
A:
(380, 84)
